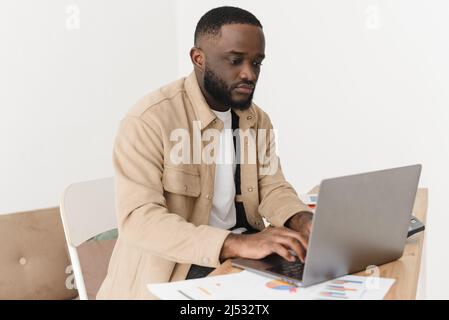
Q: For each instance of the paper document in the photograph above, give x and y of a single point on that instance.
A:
(310, 200)
(247, 285)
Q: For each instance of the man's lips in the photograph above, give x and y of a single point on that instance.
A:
(244, 89)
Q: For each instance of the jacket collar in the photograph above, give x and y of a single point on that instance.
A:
(204, 113)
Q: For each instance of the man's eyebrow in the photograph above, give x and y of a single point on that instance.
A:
(259, 55)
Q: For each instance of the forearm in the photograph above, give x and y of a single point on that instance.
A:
(231, 246)
(167, 235)
(279, 200)
(297, 219)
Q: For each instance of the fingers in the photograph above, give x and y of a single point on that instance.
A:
(282, 251)
(294, 240)
(294, 245)
(283, 241)
(293, 234)
(304, 241)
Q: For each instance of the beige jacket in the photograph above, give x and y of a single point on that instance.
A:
(163, 208)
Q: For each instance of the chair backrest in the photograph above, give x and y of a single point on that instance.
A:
(34, 263)
(87, 209)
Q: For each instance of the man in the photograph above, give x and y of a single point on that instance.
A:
(181, 219)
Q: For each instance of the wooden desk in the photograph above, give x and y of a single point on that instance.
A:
(405, 270)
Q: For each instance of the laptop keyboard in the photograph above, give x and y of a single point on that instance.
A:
(290, 269)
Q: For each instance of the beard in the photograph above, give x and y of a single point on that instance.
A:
(220, 92)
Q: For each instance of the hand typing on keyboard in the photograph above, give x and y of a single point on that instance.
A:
(280, 240)
(301, 223)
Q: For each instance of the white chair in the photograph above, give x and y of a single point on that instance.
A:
(87, 209)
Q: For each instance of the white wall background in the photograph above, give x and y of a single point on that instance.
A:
(63, 89)
(366, 79)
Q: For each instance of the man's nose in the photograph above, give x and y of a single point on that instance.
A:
(247, 73)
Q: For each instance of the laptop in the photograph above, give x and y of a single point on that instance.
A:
(360, 220)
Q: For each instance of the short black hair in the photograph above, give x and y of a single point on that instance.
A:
(212, 21)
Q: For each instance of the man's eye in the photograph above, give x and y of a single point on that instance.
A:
(236, 61)
(257, 64)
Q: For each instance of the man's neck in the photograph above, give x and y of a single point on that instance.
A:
(219, 109)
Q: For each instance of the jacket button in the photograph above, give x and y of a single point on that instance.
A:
(185, 187)
(250, 189)
(209, 196)
(205, 260)
(249, 117)
(23, 261)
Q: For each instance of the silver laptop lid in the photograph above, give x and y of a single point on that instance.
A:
(360, 220)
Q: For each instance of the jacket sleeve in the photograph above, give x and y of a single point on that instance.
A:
(143, 218)
(278, 200)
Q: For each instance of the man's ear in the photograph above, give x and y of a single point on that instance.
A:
(198, 58)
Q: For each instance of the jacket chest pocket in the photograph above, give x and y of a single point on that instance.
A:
(181, 181)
